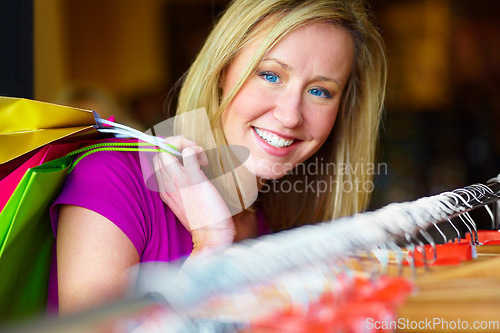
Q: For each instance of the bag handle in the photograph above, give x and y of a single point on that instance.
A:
(116, 145)
(121, 131)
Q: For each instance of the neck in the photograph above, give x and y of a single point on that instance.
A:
(246, 225)
(260, 183)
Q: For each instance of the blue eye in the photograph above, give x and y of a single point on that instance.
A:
(319, 92)
(270, 77)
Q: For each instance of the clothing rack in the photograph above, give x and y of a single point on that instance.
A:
(311, 250)
(302, 262)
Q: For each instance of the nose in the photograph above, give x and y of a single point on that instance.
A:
(288, 109)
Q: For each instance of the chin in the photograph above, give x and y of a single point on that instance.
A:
(266, 169)
(265, 176)
(270, 171)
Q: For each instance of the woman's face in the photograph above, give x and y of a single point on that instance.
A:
(285, 111)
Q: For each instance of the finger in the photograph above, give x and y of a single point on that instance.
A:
(192, 166)
(180, 142)
(170, 164)
(164, 181)
(200, 154)
(157, 172)
(171, 172)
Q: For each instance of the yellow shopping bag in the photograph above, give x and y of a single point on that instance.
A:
(26, 125)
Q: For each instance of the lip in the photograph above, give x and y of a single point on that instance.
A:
(277, 133)
(273, 150)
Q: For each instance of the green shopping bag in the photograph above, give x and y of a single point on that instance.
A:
(26, 240)
(26, 236)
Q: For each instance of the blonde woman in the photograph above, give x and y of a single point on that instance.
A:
(299, 84)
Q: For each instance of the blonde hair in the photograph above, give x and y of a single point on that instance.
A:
(353, 139)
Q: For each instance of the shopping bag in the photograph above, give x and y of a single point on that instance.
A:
(26, 236)
(45, 154)
(26, 125)
(26, 240)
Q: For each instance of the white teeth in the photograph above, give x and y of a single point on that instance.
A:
(273, 139)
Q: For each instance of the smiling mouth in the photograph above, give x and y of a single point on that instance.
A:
(273, 139)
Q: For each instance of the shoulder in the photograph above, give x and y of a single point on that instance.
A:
(105, 161)
(114, 168)
(115, 178)
(113, 185)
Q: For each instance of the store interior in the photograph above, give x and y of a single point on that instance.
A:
(439, 127)
(126, 58)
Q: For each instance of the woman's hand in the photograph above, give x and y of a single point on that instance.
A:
(192, 197)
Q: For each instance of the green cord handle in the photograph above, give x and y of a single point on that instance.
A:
(112, 146)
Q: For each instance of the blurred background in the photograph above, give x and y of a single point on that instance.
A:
(124, 57)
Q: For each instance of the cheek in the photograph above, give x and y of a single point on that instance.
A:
(248, 104)
(328, 125)
(321, 125)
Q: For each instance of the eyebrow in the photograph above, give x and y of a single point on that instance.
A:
(288, 67)
(324, 78)
(282, 64)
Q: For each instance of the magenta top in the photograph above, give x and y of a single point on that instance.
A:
(112, 185)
